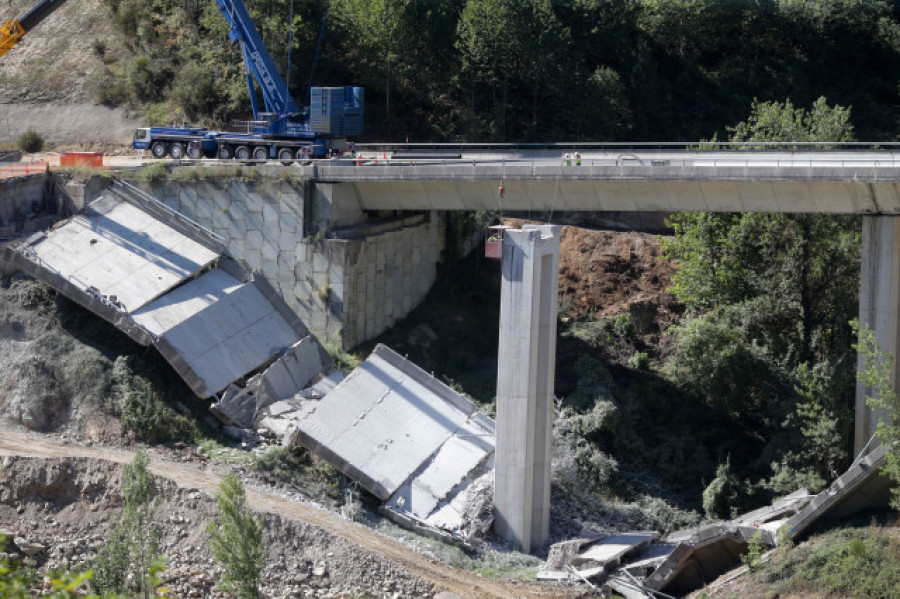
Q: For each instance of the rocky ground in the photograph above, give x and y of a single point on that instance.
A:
(59, 512)
(59, 500)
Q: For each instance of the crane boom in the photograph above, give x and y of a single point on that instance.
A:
(12, 30)
(257, 60)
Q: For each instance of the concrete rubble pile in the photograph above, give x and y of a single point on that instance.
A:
(639, 564)
(164, 281)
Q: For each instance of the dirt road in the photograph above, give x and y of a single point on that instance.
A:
(466, 584)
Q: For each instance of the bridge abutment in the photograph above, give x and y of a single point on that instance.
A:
(348, 276)
(879, 308)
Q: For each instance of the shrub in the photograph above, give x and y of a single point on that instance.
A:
(720, 497)
(623, 325)
(236, 540)
(141, 407)
(154, 173)
(31, 142)
(639, 361)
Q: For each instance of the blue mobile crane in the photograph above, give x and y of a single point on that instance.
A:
(282, 130)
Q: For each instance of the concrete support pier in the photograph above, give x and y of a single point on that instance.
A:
(879, 304)
(526, 372)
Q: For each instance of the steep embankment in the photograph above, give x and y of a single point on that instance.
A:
(52, 81)
(67, 500)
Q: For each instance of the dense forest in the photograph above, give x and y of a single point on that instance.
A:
(524, 70)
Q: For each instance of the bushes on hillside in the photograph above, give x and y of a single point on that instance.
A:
(31, 142)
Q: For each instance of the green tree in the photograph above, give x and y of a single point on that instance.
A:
(876, 375)
(14, 583)
(130, 561)
(782, 122)
(512, 46)
(769, 298)
(236, 540)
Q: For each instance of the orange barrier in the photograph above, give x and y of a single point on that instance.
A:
(88, 159)
(18, 169)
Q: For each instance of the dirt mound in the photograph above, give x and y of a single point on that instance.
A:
(607, 272)
(60, 510)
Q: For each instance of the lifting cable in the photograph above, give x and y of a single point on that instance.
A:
(553, 204)
(312, 72)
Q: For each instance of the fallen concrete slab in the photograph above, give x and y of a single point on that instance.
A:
(149, 271)
(862, 486)
(699, 556)
(610, 551)
(121, 252)
(407, 438)
(387, 419)
(300, 364)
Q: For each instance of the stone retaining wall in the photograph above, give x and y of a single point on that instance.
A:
(345, 291)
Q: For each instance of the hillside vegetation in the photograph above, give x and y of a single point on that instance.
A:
(511, 70)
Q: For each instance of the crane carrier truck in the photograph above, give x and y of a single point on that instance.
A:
(282, 130)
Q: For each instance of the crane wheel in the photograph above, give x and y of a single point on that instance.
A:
(260, 153)
(225, 153)
(285, 156)
(176, 150)
(194, 153)
(242, 153)
(159, 149)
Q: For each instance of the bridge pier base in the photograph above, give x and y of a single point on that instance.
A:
(525, 377)
(879, 307)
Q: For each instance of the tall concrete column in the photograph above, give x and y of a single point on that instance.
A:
(526, 372)
(879, 303)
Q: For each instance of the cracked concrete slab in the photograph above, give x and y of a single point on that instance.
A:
(121, 252)
(861, 486)
(388, 418)
(149, 271)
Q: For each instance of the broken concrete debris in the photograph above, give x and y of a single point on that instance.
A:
(862, 485)
(163, 280)
(291, 372)
(688, 559)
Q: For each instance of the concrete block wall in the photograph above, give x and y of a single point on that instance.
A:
(387, 275)
(345, 291)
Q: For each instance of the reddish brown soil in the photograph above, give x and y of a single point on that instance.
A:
(603, 274)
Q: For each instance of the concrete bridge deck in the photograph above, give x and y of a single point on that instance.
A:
(825, 182)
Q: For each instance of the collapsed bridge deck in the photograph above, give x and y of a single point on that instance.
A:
(162, 280)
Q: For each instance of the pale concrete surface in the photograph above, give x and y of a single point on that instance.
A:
(122, 252)
(292, 371)
(610, 551)
(382, 422)
(221, 328)
(526, 372)
(127, 259)
(830, 188)
(861, 486)
(347, 279)
(879, 306)
(459, 455)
